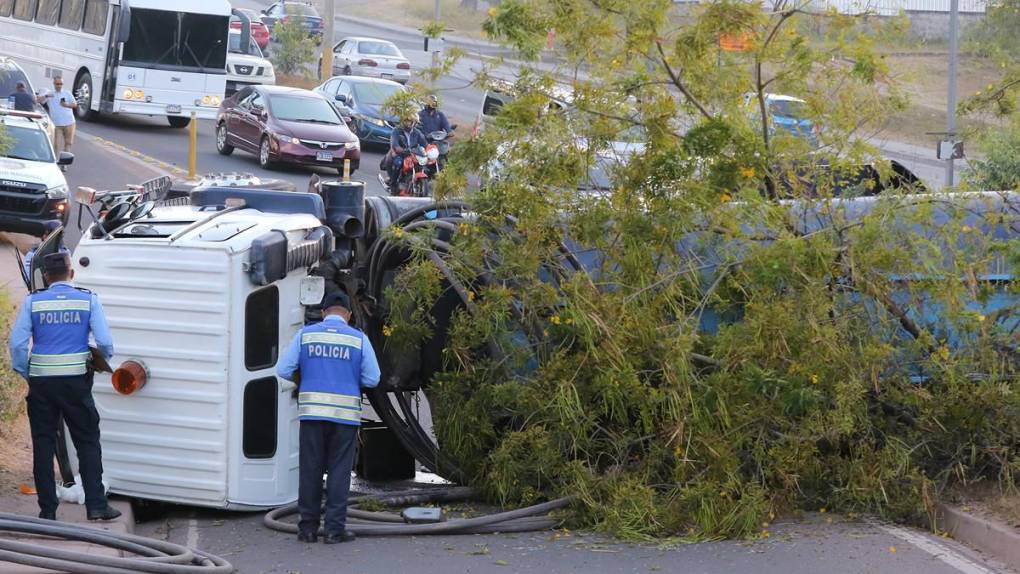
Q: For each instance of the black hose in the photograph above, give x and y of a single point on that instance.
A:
(151, 556)
(365, 523)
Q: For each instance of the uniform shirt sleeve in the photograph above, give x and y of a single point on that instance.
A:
(20, 336)
(291, 359)
(100, 328)
(369, 365)
(444, 123)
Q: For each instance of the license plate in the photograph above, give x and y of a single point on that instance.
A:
(324, 156)
(173, 108)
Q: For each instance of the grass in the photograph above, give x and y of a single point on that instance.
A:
(303, 82)
(11, 385)
(463, 21)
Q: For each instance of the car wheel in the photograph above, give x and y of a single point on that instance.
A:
(265, 160)
(83, 93)
(221, 140)
(178, 122)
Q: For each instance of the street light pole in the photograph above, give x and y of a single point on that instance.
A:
(327, 39)
(954, 24)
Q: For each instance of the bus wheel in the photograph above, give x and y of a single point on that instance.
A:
(83, 93)
(178, 121)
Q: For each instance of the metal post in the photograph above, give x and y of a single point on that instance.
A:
(439, 11)
(954, 29)
(327, 39)
(192, 147)
(437, 14)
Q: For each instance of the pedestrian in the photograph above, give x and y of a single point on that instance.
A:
(23, 101)
(335, 361)
(61, 104)
(58, 321)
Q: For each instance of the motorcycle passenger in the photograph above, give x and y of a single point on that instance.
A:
(404, 139)
(431, 118)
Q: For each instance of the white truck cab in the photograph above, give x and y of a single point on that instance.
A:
(32, 185)
(246, 68)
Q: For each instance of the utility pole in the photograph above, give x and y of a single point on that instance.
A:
(327, 39)
(437, 14)
(954, 29)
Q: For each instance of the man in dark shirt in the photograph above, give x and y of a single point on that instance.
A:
(431, 119)
(23, 101)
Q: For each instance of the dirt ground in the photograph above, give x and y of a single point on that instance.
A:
(989, 500)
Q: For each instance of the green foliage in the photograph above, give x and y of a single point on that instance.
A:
(768, 365)
(995, 36)
(11, 385)
(295, 49)
(1000, 168)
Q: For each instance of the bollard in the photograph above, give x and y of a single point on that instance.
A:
(347, 170)
(193, 146)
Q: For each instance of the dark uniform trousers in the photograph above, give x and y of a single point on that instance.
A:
(329, 448)
(48, 399)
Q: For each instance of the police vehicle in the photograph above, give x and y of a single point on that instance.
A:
(202, 294)
(32, 185)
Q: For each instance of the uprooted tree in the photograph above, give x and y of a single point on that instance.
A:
(684, 349)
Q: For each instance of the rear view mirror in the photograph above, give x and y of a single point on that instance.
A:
(66, 158)
(341, 98)
(311, 290)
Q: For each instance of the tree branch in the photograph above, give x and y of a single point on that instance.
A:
(679, 83)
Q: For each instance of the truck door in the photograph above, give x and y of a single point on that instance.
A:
(34, 279)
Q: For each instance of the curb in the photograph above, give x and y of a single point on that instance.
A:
(989, 536)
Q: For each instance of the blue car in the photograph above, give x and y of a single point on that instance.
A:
(363, 99)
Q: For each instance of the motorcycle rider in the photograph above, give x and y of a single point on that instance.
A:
(404, 139)
(431, 118)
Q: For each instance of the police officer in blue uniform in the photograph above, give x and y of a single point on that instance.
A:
(58, 322)
(335, 361)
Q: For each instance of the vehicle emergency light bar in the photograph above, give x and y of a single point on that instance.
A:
(20, 114)
(89, 195)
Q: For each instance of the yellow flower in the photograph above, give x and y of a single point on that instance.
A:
(471, 295)
(823, 510)
(747, 172)
(980, 318)
(724, 198)
(398, 232)
(814, 381)
(387, 331)
(493, 11)
(966, 229)
(764, 533)
(892, 549)
(555, 319)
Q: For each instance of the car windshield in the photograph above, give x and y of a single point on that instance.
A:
(374, 94)
(298, 109)
(161, 39)
(234, 46)
(28, 144)
(788, 109)
(301, 9)
(378, 49)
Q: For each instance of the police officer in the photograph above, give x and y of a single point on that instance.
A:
(58, 321)
(336, 361)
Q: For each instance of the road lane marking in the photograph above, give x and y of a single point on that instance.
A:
(935, 549)
(192, 538)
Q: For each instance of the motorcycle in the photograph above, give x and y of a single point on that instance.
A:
(440, 139)
(413, 181)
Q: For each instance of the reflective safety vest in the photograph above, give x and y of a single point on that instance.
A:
(330, 373)
(60, 332)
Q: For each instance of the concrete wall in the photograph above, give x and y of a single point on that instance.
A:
(935, 25)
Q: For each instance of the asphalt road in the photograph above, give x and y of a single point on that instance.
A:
(813, 544)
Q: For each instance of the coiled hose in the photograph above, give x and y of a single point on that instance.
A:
(366, 523)
(151, 556)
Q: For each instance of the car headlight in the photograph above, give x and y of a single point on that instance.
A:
(377, 121)
(58, 192)
(287, 139)
(356, 144)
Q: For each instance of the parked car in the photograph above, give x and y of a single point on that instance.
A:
(10, 74)
(370, 57)
(282, 11)
(259, 31)
(362, 100)
(246, 69)
(286, 125)
(33, 190)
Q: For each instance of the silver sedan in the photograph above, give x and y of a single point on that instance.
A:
(356, 56)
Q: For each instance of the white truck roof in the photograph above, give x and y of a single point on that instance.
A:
(215, 7)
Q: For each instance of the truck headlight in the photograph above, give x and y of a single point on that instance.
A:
(58, 192)
(211, 100)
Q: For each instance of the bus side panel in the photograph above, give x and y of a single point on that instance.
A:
(166, 308)
(46, 51)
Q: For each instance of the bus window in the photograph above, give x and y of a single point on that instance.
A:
(262, 329)
(71, 13)
(163, 39)
(48, 12)
(6, 7)
(24, 9)
(95, 16)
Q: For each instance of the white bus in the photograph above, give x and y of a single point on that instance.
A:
(149, 57)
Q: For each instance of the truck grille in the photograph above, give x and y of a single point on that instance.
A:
(243, 70)
(29, 200)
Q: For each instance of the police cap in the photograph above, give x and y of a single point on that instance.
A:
(336, 299)
(56, 264)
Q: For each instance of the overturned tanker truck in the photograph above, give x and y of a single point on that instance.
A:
(202, 293)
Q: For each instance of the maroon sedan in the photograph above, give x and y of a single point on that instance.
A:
(286, 125)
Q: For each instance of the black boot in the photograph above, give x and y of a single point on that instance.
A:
(345, 536)
(51, 515)
(106, 513)
(307, 537)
